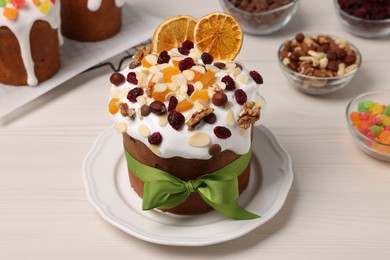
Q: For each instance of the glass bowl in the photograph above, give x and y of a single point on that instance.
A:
(362, 137)
(362, 27)
(262, 23)
(318, 85)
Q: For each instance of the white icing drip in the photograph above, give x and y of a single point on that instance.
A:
(175, 142)
(94, 5)
(21, 28)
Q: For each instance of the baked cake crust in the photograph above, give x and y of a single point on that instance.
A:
(81, 24)
(45, 52)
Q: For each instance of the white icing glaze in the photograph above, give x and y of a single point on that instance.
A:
(175, 142)
(94, 5)
(21, 27)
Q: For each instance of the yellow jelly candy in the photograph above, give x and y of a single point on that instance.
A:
(45, 6)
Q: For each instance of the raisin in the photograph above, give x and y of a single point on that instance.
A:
(331, 55)
(186, 64)
(349, 60)
(240, 96)
(207, 58)
(172, 103)
(190, 89)
(188, 44)
(183, 50)
(117, 79)
(229, 82)
(220, 65)
(155, 138)
(132, 78)
(134, 93)
(256, 76)
(176, 119)
(163, 57)
(222, 132)
(294, 57)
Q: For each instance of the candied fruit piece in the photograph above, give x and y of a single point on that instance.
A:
(207, 78)
(168, 72)
(201, 94)
(113, 108)
(184, 105)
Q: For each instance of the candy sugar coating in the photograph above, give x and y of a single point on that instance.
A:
(373, 120)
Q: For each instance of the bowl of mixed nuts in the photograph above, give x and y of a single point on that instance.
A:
(368, 19)
(318, 64)
(261, 17)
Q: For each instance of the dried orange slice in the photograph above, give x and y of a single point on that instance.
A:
(220, 35)
(172, 32)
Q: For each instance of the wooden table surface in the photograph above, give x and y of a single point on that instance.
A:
(338, 206)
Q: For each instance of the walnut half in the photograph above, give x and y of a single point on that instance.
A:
(198, 116)
(249, 115)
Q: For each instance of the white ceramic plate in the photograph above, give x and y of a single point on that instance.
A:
(108, 188)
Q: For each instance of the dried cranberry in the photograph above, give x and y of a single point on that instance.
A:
(117, 79)
(222, 132)
(186, 64)
(229, 82)
(188, 44)
(183, 50)
(132, 78)
(190, 89)
(207, 58)
(163, 57)
(256, 76)
(172, 103)
(134, 93)
(240, 96)
(155, 138)
(176, 119)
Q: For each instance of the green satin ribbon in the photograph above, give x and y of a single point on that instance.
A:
(218, 189)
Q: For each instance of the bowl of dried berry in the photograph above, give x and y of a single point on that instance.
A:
(318, 64)
(368, 19)
(368, 119)
(261, 17)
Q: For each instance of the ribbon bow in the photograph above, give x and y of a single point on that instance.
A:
(219, 189)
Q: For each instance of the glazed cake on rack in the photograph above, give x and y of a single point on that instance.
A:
(186, 112)
(91, 20)
(29, 41)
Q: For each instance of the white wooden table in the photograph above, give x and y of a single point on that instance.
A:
(338, 206)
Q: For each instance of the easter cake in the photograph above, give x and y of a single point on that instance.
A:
(29, 41)
(91, 20)
(186, 111)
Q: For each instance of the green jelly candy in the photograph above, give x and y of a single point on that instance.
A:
(2, 3)
(376, 130)
(364, 106)
(387, 111)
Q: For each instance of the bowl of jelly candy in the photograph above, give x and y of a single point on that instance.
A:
(368, 19)
(368, 117)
